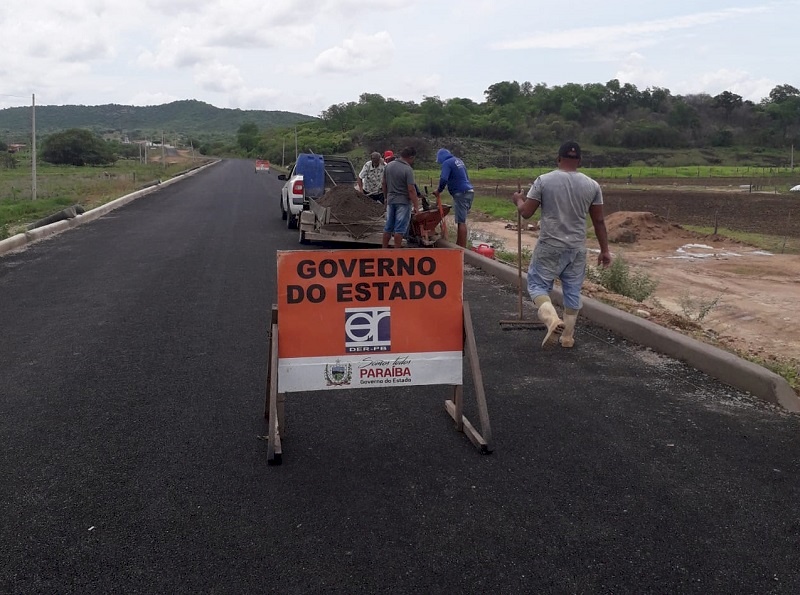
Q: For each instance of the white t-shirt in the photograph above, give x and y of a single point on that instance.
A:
(565, 198)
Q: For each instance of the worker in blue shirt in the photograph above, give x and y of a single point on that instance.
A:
(454, 176)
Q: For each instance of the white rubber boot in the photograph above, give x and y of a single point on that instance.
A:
(568, 335)
(547, 314)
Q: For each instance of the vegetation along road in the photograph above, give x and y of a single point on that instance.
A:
(133, 373)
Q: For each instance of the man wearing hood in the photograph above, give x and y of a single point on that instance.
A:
(454, 176)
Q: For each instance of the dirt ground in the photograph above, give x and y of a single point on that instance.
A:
(714, 288)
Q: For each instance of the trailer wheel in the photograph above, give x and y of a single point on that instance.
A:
(303, 239)
(283, 213)
(291, 221)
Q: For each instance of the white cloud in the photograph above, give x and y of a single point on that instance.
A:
(736, 81)
(635, 70)
(260, 98)
(305, 55)
(423, 86)
(218, 77)
(357, 54)
(151, 98)
(626, 36)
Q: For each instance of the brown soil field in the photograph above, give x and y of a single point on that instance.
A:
(718, 290)
(753, 212)
(756, 212)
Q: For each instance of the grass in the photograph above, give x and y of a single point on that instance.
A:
(60, 186)
(622, 279)
(789, 370)
(495, 207)
(16, 213)
(774, 244)
(527, 175)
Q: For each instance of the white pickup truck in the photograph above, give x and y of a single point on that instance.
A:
(310, 176)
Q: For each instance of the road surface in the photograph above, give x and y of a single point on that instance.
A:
(132, 367)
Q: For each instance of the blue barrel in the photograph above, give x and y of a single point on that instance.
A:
(312, 168)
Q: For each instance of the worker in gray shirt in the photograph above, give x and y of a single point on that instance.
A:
(565, 196)
(401, 195)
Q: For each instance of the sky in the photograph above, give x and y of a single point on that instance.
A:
(306, 55)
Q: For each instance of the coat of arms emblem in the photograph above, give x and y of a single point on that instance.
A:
(338, 374)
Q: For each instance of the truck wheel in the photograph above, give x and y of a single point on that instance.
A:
(283, 213)
(291, 221)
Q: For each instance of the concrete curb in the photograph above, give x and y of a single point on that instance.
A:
(717, 363)
(21, 240)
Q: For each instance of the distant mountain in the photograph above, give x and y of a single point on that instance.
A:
(186, 118)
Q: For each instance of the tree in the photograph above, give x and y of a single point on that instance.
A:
(656, 98)
(76, 146)
(339, 116)
(503, 93)
(684, 116)
(247, 136)
(433, 115)
(9, 160)
(783, 92)
(723, 137)
(728, 102)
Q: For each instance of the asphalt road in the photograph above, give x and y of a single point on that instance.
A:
(132, 373)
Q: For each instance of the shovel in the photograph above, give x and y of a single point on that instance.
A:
(520, 322)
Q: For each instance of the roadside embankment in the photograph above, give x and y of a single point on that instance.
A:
(20, 240)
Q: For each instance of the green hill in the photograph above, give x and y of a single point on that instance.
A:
(189, 118)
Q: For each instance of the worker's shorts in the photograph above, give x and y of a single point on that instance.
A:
(463, 203)
(549, 263)
(398, 216)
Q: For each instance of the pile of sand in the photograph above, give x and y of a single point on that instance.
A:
(352, 212)
(627, 227)
(349, 205)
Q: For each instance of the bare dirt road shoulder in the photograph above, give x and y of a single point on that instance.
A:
(718, 290)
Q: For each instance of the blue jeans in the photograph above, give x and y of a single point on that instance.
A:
(463, 203)
(398, 216)
(551, 262)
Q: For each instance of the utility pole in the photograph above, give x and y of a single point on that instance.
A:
(283, 153)
(33, 146)
(295, 143)
(163, 155)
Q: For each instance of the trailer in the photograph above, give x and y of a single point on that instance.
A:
(321, 223)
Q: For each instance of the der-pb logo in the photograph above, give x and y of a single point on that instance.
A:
(367, 329)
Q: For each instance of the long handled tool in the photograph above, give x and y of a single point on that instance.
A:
(520, 322)
(442, 214)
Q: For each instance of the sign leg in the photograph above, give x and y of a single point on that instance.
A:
(274, 452)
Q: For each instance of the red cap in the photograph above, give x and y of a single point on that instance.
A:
(387, 154)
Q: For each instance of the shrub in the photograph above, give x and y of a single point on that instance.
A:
(76, 147)
(621, 279)
(697, 308)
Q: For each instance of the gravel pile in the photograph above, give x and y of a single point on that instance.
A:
(348, 205)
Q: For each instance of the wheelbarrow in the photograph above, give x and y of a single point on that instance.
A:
(426, 225)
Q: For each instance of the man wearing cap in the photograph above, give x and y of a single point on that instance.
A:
(370, 180)
(454, 177)
(565, 196)
(388, 156)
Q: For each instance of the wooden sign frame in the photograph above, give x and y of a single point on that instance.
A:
(274, 406)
